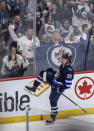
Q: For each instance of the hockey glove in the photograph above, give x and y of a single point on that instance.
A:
(48, 76)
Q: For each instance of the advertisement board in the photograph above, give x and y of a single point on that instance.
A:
(14, 99)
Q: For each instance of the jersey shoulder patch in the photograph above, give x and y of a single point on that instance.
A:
(69, 69)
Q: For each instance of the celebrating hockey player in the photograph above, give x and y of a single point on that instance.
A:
(59, 82)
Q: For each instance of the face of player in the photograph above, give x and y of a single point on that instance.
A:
(64, 61)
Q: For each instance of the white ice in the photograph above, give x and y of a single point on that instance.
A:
(78, 123)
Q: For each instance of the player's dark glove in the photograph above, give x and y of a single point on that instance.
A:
(50, 73)
(50, 70)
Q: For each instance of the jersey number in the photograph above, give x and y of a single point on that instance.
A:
(69, 76)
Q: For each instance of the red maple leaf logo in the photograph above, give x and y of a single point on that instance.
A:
(85, 88)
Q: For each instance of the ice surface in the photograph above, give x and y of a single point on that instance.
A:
(78, 123)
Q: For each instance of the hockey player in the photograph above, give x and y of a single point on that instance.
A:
(58, 84)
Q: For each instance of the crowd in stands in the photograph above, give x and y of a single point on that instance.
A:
(69, 20)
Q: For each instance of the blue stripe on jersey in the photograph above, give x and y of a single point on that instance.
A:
(68, 85)
(40, 78)
(57, 83)
(68, 81)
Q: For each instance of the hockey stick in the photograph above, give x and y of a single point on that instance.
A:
(69, 99)
(74, 102)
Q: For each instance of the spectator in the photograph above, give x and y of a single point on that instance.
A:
(57, 15)
(3, 52)
(64, 12)
(60, 3)
(80, 13)
(67, 12)
(49, 9)
(46, 30)
(87, 28)
(14, 64)
(4, 19)
(91, 5)
(38, 22)
(30, 6)
(45, 13)
(56, 39)
(64, 30)
(22, 7)
(53, 19)
(39, 5)
(59, 10)
(75, 35)
(91, 13)
(25, 43)
(90, 55)
(13, 27)
(28, 22)
(92, 37)
(15, 7)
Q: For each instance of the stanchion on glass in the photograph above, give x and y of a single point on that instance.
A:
(27, 117)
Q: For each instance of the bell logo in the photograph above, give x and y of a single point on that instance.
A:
(84, 88)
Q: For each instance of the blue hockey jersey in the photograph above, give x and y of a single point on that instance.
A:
(65, 76)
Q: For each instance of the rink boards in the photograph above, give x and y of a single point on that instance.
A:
(14, 99)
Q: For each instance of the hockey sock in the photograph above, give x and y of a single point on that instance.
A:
(54, 110)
